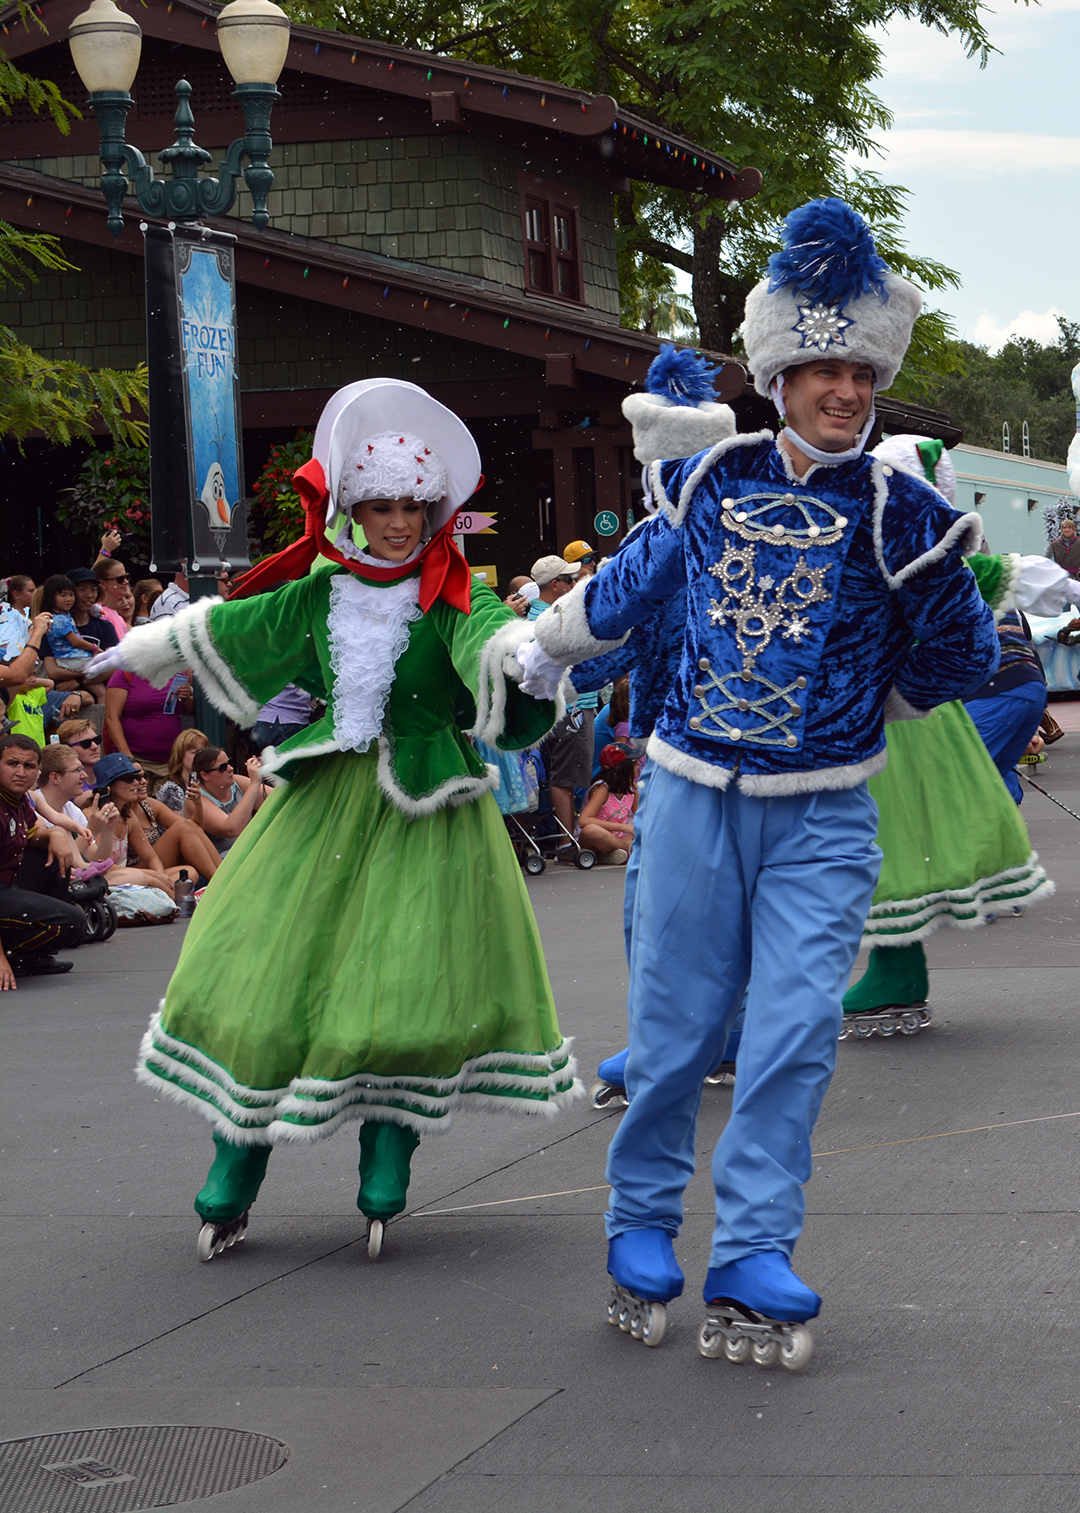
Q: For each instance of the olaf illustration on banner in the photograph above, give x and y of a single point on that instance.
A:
(218, 509)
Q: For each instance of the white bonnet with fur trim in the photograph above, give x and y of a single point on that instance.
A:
(923, 459)
(828, 295)
(418, 449)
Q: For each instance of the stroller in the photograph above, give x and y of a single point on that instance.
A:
(537, 835)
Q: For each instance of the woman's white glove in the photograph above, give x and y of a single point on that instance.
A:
(1044, 587)
(105, 662)
(542, 675)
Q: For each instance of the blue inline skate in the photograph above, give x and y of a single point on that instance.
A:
(610, 1091)
(757, 1310)
(645, 1275)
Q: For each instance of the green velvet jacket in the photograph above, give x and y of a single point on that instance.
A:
(456, 677)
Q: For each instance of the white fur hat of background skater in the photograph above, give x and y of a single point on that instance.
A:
(923, 459)
(677, 416)
(382, 410)
(828, 294)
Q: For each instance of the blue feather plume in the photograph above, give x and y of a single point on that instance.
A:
(683, 377)
(828, 255)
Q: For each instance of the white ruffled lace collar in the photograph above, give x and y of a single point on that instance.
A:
(368, 626)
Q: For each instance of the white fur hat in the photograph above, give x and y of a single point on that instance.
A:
(921, 458)
(677, 416)
(828, 293)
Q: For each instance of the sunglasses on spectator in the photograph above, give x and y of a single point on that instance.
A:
(85, 745)
(564, 578)
(117, 578)
(221, 767)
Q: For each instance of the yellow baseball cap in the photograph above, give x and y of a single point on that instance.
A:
(577, 550)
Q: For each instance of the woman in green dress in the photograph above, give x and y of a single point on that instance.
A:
(956, 851)
(367, 950)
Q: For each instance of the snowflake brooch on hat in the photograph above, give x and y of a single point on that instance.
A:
(829, 260)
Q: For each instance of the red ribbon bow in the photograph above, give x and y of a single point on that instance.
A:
(444, 573)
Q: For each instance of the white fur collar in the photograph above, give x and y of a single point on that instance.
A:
(369, 630)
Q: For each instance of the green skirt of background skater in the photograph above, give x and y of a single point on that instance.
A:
(348, 961)
(956, 849)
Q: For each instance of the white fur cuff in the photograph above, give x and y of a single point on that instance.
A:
(898, 708)
(563, 631)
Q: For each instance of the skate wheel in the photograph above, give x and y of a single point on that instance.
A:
(654, 1321)
(710, 1342)
(891, 1029)
(737, 1350)
(375, 1231)
(765, 1354)
(863, 1031)
(604, 1095)
(206, 1247)
(625, 1318)
(797, 1348)
(613, 1312)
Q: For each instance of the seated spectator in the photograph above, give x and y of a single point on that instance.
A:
(82, 737)
(179, 842)
(522, 593)
(36, 913)
(139, 721)
(24, 693)
(89, 620)
(175, 791)
(158, 841)
(146, 592)
(229, 800)
(69, 649)
(607, 818)
(584, 555)
(612, 723)
(87, 832)
(20, 591)
(115, 585)
(173, 597)
(285, 715)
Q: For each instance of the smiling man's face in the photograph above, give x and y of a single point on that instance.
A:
(827, 402)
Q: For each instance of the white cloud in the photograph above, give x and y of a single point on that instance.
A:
(988, 331)
(978, 154)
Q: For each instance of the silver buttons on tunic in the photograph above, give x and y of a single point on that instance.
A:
(704, 664)
(792, 740)
(699, 692)
(800, 682)
(695, 723)
(734, 732)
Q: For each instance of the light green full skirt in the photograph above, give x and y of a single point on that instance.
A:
(350, 962)
(955, 846)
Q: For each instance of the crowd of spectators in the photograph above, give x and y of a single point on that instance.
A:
(593, 723)
(106, 787)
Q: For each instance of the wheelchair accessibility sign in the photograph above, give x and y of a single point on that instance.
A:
(606, 523)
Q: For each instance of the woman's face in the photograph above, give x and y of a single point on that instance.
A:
(392, 526)
(113, 579)
(63, 599)
(20, 597)
(124, 603)
(218, 778)
(189, 756)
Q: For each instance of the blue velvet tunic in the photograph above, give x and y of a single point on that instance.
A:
(809, 606)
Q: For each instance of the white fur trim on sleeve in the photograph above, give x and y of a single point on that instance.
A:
(967, 533)
(498, 663)
(898, 708)
(220, 684)
(564, 634)
(153, 651)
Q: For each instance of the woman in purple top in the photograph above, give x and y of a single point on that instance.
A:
(137, 723)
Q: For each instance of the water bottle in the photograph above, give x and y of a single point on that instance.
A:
(184, 893)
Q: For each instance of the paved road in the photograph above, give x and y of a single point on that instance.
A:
(470, 1369)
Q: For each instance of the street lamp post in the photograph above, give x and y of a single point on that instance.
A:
(195, 431)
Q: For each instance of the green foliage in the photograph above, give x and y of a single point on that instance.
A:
(1024, 381)
(112, 490)
(783, 85)
(63, 399)
(277, 518)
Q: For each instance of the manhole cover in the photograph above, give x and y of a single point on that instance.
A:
(122, 1470)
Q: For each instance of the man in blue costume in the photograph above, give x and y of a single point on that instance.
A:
(824, 592)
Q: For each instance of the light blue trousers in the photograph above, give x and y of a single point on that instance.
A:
(734, 894)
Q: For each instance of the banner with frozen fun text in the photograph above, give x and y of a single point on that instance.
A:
(206, 297)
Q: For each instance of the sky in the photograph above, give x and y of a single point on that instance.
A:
(992, 160)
